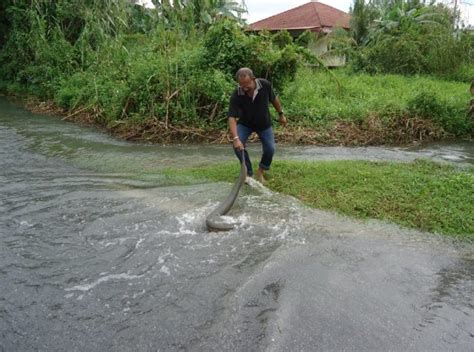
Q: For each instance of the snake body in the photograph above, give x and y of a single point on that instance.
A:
(213, 220)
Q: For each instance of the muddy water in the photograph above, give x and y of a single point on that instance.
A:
(99, 252)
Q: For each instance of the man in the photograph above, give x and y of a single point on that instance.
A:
(248, 113)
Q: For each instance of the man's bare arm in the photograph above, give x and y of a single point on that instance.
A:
(277, 105)
(235, 136)
(233, 127)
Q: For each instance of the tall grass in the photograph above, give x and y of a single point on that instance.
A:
(314, 98)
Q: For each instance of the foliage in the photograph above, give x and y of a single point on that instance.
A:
(190, 15)
(282, 39)
(276, 58)
(315, 99)
(464, 73)
(169, 64)
(431, 106)
(304, 38)
(225, 47)
(170, 67)
(362, 15)
(410, 37)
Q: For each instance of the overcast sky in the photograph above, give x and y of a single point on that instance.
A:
(260, 9)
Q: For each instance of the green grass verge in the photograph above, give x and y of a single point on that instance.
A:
(422, 195)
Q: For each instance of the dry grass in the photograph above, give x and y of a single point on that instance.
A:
(374, 130)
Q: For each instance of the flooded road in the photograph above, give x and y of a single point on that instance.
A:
(99, 252)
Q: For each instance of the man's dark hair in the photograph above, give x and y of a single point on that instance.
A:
(243, 72)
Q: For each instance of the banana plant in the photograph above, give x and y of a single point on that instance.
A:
(191, 13)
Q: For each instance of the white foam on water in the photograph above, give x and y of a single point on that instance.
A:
(139, 242)
(255, 184)
(139, 294)
(165, 270)
(90, 286)
(162, 258)
(25, 223)
(452, 157)
(227, 218)
(243, 220)
(186, 221)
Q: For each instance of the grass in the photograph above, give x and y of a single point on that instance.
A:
(421, 195)
(314, 97)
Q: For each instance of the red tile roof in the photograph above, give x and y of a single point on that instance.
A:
(313, 15)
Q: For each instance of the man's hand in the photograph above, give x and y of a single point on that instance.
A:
(238, 144)
(283, 121)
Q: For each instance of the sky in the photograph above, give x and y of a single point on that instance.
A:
(260, 9)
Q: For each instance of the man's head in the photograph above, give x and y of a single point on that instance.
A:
(246, 79)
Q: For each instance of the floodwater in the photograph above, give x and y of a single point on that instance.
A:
(98, 252)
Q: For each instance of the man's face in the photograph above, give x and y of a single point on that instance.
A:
(246, 83)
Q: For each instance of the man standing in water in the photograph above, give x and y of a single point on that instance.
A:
(248, 113)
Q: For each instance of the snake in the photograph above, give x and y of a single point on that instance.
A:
(213, 220)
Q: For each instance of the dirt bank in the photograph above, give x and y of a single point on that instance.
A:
(399, 130)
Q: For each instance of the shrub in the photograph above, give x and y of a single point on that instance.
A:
(305, 38)
(464, 73)
(448, 114)
(314, 99)
(282, 38)
(400, 55)
(427, 105)
(225, 47)
(415, 38)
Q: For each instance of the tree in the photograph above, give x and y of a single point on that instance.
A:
(189, 14)
(413, 37)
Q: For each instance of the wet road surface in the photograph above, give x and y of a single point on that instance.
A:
(98, 252)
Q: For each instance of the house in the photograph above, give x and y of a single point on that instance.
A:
(313, 16)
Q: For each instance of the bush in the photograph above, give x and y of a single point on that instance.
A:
(314, 99)
(414, 39)
(427, 105)
(227, 48)
(282, 38)
(464, 73)
(400, 55)
(305, 38)
(92, 91)
(449, 115)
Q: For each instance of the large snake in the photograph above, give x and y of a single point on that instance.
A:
(213, 220)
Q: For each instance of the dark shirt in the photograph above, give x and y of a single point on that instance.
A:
(253, 113)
